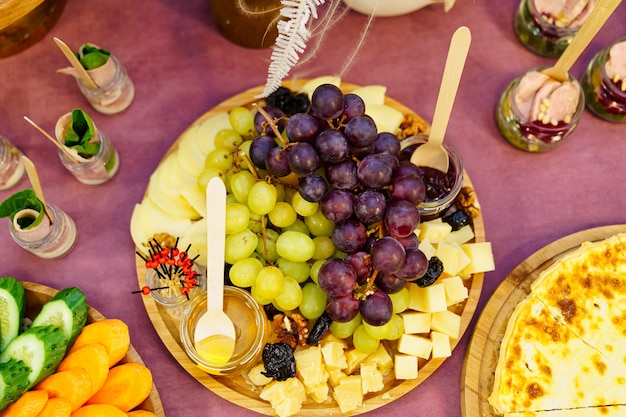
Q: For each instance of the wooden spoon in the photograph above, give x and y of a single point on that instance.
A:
(33, 177)
(80, 70)
(600, 13)
(53, 140)
(215, 332)
(432, 154)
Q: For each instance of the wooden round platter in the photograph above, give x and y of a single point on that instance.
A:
(37, 295)
(482, 353)
(235, 388)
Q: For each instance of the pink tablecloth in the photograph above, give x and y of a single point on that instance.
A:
(182, 67)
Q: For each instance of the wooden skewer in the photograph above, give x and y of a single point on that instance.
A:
(53, 140)
(82, 72)
(31, 171)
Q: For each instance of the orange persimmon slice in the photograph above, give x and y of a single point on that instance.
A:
(29, 404)
(99, 410)
(73, 384)
(113, 334)
(94, 358)
(126, 386)
(56, 407)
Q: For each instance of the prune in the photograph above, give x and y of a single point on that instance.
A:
(321, 326)
(434, 271)
(271, 311)
(289, 102)
(278, 361)
(458, 219)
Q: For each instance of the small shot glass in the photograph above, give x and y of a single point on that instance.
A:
(48, 239)
(171, 290)
(116, 90)
(604, 86)
(11, 165)
(514, 114)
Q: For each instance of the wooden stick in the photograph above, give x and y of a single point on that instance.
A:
(53, 140)
(82, 72)
(31, 171)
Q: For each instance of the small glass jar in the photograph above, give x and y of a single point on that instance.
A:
(11, 165)
(113, 97)
(47, 240)
(252, 330)
(538, 34)
(168, 291)
(96, 170)
(604, 97)
(529, 135)
(441, 188)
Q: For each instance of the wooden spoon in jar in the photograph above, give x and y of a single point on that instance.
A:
(432, 154)
(599, 15)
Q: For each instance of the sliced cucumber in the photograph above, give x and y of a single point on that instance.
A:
(12, 306)
(67, 310)
(41, 348)
(13, 381)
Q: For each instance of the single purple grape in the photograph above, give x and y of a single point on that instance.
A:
(406, 168)
(262, 125)
(277, 162)
(362, 264)
(349, 236)
(312, 187)
(401, 218)
(342, 175)
(332, 146)
(376, 309)
(353, 106)
(302, 127)
(389, 283)
(415, 265)
(409, 188)
(303, 158)
(336, 277)
(370, 207)
(336, 205)
(259, 149)
(409, 242)
(361, 131)
(375, 171)
(388, 255)
(386, 142)
(327, 102)
(342, 309)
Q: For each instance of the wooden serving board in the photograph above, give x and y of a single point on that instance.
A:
(235, 388)
(482, 353)
(37, 295)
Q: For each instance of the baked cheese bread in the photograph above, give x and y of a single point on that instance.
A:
(564, 348)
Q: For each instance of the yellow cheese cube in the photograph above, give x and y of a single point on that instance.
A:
(481, 258)
(329, 337)
(428, 299)
(452, 256)
(405, 366)
(349, 394)
(309, 365)
(446, 322)
(354, 357)
(434, 230)
(318, 393)
(381, 358)
(456, 292)
(415, 345)
(371, 378)
(286, 397)
(441, 345)
(427, 247)
(416, 322)
(335, 375)
(463, 235)
(256, 376)
(334, 356)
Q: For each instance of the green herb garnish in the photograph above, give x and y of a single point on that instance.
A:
(25, 199)
(79, 134)
(92, 57)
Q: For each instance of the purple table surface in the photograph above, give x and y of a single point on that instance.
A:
(182, 67)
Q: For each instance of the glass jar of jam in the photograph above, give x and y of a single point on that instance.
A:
(604, 85)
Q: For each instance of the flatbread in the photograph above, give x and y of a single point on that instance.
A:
(564, 349)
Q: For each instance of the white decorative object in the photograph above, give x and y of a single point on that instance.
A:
(383, 8)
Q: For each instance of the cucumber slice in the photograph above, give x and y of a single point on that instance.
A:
(67, 310)
(13, 381)
(41, 348)
(12, 306)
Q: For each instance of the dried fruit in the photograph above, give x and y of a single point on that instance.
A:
(458, 219)
(434, 271)
(321, 326)
(279, 361)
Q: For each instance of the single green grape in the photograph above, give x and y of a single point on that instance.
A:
(243, 272)
(205, 176)
(303, 207)
(237, 218)
(239, 246)
(227, 139)
(346, 329)
(220, 159)
(282, 215)
(363, 341)
(378, 332)
(254, 291)
(315, 269)
(269, 282)
(262, 197)
(298, 270)
(295, 246)
(240, 185)
(319, 225)
(400, 300)
(266, 246)
(324, 247)
(313, 302)
(397, 327)
(297, 226)
(291, 295)
(242, 121)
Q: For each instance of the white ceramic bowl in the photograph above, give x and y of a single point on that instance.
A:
(393, 7)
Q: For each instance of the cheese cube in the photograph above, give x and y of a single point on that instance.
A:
(481, 258)
(441, 345)
(427, 247)
(415, 345)
(354, 357)
(456, 292)
(286, 397)
(446, 322)
(329, 337)
(461, 236)
(381, 358)
(349, 394)
(434, 230)
(310, 366)
(318, 393)
(371, 378)
(334, 356)
(416, 322)
(452, 256)
(405, 366)
(428, 299)
(335, 375)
